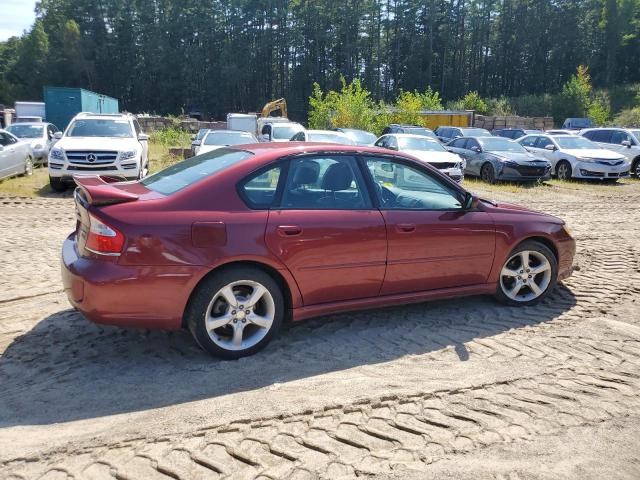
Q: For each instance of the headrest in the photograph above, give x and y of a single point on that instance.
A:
(337, 177)
(306, 173)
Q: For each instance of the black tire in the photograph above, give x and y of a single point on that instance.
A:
(635, 167)
(203, 296)
(57, 185)
(529, 245)
(564, 173)
(28, 166)
(488, 173)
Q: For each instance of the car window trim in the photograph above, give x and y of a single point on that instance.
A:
(437, 176)
(284, 168)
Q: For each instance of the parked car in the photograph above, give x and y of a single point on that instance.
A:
(196, 140)
(410, 129)
(103, 144)
(27, 120)
(426, 150)
(625, 141)
(214, 139)
(514, 133)
(560, 132)
(446, 134)
(572, 156)
(39, 135)
(233, 266)
(499, 159)
(15, 156)
(577, 123)
(360, 137)
(322, 136)
(279, 131)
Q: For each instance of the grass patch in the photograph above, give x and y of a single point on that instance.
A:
(36, 184)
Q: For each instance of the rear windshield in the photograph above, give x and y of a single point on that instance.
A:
(26, 131)
(228, 138)
(285, 132)
(185, 173)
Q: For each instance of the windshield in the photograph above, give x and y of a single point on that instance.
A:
(185, 173)
(26, 131)
(636, 133)
(360, 137)
(580, 122)
(285, 132)
(475, 132)
(228, 138)
(571, 142)
(413, 143)
(201, 133)
(498, 144)
(329, 138)
(100, 128)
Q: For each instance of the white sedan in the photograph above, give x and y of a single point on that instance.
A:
(427, 150)
(572, 156)
(15, 156)
(215, 139)
(323, 136)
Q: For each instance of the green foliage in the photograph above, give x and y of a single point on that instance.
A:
(628, 118)
(533, 105)
(408, 106)
(170, 137)
(351, 107)
(599, 109)
(430, 100)
(574, 99)
(471, 101)
(500, 107)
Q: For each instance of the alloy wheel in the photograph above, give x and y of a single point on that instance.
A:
(487, 174)
(28, 166)
(240, 315)
(525, 276)
(564, 171)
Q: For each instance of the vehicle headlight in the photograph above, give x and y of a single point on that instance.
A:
(56, 154)
(585, 159)
(128, 154)
(566, 230)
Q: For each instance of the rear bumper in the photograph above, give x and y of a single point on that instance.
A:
(132, 296)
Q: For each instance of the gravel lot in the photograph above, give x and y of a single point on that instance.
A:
(453, 389)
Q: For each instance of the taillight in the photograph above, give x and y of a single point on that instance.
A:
(103, 239)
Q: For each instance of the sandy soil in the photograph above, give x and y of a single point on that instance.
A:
(455, 389)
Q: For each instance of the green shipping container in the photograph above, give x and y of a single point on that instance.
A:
(62, 104)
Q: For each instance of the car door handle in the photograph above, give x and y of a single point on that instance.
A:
(406, 228)
(289, 230)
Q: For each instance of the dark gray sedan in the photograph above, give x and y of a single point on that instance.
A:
(499, 159)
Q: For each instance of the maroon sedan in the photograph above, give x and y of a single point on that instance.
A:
(232, 243)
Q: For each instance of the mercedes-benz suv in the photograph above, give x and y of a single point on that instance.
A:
(102, 144)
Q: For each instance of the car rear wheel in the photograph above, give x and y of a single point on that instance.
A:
(635, 167)
(236, 312)
(528, 275)
(487, 173)
(563, 170)
(57, 185)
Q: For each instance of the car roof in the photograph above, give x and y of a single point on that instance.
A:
(410, 135)
(30, 123)
(325, 132)
(229, 131)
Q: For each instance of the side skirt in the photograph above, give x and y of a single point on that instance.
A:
(303, 313)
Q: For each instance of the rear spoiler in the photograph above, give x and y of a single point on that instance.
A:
(97, 190)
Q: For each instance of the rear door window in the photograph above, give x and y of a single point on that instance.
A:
(260, 190)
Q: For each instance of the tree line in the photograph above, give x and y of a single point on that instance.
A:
(168, 56)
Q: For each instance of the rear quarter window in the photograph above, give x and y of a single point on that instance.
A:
(183, 174)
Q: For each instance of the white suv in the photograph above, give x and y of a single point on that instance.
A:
(625, 141)
(99, 144)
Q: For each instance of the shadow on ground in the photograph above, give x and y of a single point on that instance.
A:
(66, 368)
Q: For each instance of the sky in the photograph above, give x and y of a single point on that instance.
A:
(15, 16)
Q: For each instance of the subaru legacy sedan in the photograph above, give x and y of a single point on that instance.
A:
(235, 242)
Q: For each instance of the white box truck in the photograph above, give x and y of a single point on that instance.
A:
(29, 112)
(244, 122)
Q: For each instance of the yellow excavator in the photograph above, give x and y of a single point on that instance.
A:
(279, 104)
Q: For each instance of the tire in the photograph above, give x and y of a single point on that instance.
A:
(214, 321)
(28, 166)
(515, 282)
(635, 167)
(564, 171)
(488, 173)
(57, 185)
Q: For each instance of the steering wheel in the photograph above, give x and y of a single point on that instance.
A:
(387, 197)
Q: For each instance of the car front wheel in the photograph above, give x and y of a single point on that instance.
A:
(563, 170)
(28, 166)
(236, 312)
(528, 275)
(488, 173)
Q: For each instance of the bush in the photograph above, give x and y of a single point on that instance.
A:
(471, 101)
(628, 118)
(533, 105)
(599, 109)
(352, 107)
(500, 107)
(170, 137)
(574, 99)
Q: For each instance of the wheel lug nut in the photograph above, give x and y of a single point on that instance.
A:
(244, 320)
(248, 312)
(241, 307)
(233, 312)
(235, 320)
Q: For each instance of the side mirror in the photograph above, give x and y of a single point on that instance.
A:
(393, 147)
(143, 137)
(193, 137)
(470, 202)
(197, 143)
(57, 135)
(550, 147)
(265, 137)
(476, 149)
(626, 143)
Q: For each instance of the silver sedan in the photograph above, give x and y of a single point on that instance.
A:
(15, 156)
(40, 135)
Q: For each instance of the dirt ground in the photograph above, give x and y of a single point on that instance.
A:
(460, 389)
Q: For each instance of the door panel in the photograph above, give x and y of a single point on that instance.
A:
(446, 249)
(333, 254)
